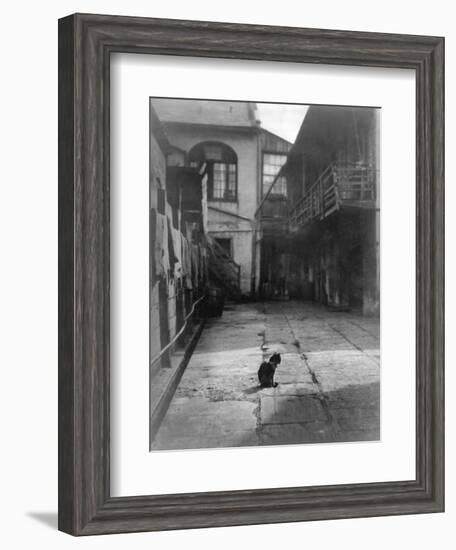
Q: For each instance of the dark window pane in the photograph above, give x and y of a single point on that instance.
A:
(225, 245)
(161, 201)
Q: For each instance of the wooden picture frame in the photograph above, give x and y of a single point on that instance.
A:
(85, 45)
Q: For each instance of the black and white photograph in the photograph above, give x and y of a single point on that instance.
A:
(264, 274)
(224, 262)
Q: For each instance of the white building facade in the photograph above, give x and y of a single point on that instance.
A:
(227, 138)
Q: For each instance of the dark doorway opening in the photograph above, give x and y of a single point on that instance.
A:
(225, 244)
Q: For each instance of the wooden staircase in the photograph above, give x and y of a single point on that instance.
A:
(224, 272)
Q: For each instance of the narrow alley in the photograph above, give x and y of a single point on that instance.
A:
(328, 381)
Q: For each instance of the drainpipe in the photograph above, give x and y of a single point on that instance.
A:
(255, 220)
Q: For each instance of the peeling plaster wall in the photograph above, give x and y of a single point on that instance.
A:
(175, 281)
(245, 145)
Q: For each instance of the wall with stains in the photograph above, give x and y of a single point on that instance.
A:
(178, 264)
(336, 259)
(232, 219)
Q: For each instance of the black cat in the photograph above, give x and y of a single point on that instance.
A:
(267, 370)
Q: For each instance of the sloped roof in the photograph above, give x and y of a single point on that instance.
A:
(327, 126)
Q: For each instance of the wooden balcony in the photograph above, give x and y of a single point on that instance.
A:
(339, 186)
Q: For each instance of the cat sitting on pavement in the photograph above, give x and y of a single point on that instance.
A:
(267, 370)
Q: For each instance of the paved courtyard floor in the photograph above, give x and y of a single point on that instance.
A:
(329, 380)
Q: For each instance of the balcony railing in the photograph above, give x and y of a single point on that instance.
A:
(339, 185)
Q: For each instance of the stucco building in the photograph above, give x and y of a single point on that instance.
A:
(240, 159)
(178, 248)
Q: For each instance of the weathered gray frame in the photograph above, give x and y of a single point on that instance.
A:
(85, 44)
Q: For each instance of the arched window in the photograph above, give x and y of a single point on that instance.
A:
(221, 167)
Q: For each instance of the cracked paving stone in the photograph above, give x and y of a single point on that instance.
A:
(328, 380)
(356, 419)
(292, 389)
(292, 434)
(284, 409)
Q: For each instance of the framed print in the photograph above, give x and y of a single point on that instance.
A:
(250, 274)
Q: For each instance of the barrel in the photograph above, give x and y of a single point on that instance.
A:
(214, 302)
